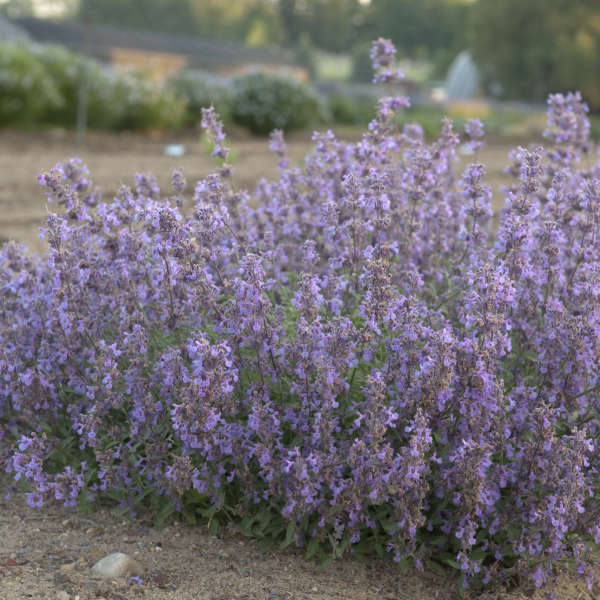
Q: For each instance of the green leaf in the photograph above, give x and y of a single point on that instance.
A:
(452, 563)
(437, 568)
(438, 540)
(312, 548)
(245, 526)
(477, 554)
(264, 518)
(289, 535)
(163, 514)
(266, 544)
(210, 512)
(213, 526)
(342, 546)
(189, 516)
(403, 566)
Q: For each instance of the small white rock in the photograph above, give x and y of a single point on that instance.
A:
(68, 568)
(62, 595)
(117, 564)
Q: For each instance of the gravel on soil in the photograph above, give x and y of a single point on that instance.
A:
(47, 554)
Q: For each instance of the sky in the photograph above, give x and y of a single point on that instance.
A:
(47, 9)
(51, 8)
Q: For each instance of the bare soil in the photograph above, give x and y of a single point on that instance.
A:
(115, 159)
(47, 553)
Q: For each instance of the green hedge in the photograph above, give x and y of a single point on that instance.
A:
(349, 111)
(198, 93)
(27, 91)
(39, 85)
(265, 102)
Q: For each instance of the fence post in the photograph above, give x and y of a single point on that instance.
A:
(82, 98)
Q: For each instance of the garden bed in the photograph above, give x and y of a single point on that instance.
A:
(193, 564)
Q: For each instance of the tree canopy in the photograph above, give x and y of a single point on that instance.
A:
(529, 47)
(539, 46)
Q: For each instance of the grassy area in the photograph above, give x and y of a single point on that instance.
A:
(332, 67)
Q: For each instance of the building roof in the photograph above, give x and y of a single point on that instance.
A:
(102, 38)
(10, 32)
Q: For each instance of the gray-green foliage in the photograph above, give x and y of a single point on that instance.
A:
(362, 67)
(536, 46)
(27, 91)
(265, 102)
(350, 111)
(40, 85)
(199, 93)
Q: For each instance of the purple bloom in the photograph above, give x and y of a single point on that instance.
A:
(356, 346)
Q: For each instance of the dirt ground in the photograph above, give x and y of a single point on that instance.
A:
(113, 159)
(46, 554)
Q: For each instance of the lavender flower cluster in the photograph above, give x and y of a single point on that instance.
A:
(355, 345)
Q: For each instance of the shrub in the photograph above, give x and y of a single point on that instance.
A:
(350, 111)
(595, 127)
(41, 85)
(263, 103)
(362, 67)
(349, 359)
(27, 91)
(66, 70)
(147, 105)
(198, 93)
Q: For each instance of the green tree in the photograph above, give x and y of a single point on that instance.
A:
(329, 24)
(173, 16)
(419, 28)
(535, 47)
(362, 65)
(16, 8)
(253, 22)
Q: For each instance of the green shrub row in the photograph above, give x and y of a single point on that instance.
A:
(257, 101)
(41, 85)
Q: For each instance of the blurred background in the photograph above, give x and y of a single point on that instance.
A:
(122, 82)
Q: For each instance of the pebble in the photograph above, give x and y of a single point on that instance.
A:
(117, 564)
(67, 568)
(62, 595)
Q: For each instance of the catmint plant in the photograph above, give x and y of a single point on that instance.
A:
(349, 358)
